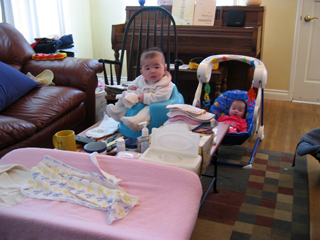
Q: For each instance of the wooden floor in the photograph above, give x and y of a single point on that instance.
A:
(285, 123)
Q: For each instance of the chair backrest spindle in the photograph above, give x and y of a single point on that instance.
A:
(131, 52)
(111, 75)
(168, 47)
(155, 29)
(148, 30)
(139, 47)
(161, 31)
(105, 73)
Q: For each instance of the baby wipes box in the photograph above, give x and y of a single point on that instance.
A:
(174, 145)
(205, 146)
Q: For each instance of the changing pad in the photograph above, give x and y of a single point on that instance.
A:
(161, 214)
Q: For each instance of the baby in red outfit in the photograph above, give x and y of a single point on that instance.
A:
(236, 118)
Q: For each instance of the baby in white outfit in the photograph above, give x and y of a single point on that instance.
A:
(153, 85)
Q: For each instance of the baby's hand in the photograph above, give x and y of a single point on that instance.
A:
(132, 87)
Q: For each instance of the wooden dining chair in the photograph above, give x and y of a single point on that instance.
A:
(148, 27)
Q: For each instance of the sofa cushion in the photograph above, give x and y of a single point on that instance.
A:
(13, 85)
(14, 130)
(45, 105)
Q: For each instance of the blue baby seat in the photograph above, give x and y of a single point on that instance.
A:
(221, 107)
(158, 113)
(223, 102)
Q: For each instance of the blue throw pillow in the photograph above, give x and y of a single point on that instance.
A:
(13, 85)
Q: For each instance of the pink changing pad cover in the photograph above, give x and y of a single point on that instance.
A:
(169, 200)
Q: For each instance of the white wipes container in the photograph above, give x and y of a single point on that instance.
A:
(176, 146)
(101, 103)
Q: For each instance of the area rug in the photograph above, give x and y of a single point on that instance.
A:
(269, 201)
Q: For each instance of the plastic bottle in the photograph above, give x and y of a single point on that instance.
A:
(121, 145)
(143, 140)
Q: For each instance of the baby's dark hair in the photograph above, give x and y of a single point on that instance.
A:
(150, 53)
(245, 108)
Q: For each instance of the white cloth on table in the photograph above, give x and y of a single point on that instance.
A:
(54, 180)
(107, 126)
(187, 125)
(205, 117)
(192, 116)
(12, 176)
(188, 108)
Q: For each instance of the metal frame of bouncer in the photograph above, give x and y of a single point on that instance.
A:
(259, 81)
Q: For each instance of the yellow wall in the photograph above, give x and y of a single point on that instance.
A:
(278, 37)
(279, 27)
(80, 23)
(104, 14)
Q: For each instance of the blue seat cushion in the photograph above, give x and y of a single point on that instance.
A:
(158, 113)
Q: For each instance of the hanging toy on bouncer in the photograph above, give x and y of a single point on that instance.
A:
(207, 101)
(252, 96)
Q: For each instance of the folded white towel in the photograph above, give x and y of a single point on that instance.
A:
(12, 177)
(187, 108)
(206, 117)
(107, 126)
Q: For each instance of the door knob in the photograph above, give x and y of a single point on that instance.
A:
(308, 18)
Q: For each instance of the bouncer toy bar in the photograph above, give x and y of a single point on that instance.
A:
(205, 68)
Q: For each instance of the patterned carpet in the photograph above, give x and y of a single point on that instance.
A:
(270, 201)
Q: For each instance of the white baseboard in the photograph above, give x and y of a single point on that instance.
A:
(307, 102)
(274, 94)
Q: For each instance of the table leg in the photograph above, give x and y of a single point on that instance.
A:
(215, 162)
(213, 183)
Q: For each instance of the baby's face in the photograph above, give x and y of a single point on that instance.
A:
(153, 69)
(237, 108)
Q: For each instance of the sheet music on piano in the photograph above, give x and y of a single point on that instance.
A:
(182, 11)
(204, 13)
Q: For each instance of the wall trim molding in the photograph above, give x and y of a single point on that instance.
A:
(298, 101)
(274, 94)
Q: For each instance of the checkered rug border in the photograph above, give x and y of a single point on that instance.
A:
(270, 201)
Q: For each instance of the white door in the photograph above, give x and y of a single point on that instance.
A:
(306, 72)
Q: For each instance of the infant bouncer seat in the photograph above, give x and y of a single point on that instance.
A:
(223, 102)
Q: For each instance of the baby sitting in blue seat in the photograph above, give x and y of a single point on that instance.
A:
(153, 85)
(236, 118)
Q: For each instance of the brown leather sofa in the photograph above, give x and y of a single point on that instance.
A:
(33, 119)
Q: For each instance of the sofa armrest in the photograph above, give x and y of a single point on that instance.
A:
(72, 72)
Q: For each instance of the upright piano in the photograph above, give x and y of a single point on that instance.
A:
(203, 41)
